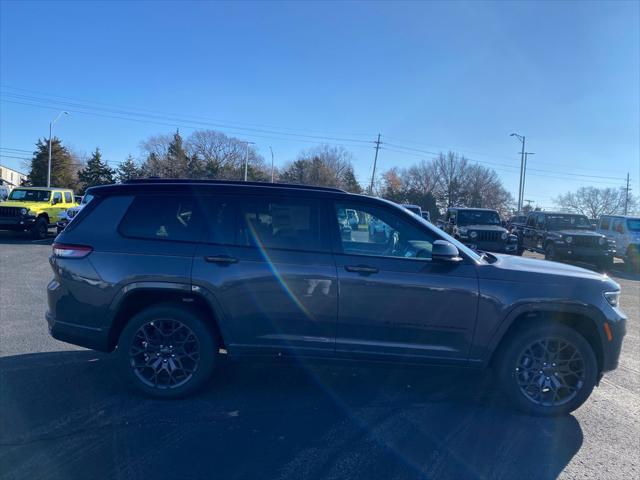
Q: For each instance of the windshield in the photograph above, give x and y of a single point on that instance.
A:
(24, 195)
(563, 222)
(633, 224)
(478, 217)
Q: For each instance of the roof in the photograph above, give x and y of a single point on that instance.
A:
(473, 208)
(45, 188)
(182, 185)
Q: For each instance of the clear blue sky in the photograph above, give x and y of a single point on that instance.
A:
(429, 76)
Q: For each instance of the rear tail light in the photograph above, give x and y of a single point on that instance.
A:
(62, 250)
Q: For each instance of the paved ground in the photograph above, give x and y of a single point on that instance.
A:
(65, 414)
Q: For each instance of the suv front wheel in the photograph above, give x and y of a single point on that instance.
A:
(548, 369)
(167, 351)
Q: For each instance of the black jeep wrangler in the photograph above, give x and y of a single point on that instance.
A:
(566, 236)
(480, 229)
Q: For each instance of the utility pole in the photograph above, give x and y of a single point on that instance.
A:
(375, 162)
(626, 197)
(51, 124)
(271, 150)
(246, 159)
(522, 140)
(524, 176)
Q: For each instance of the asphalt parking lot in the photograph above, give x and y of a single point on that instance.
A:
(65, 413)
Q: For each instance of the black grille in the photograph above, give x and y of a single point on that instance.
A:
(584, 241)
(10, 211)
(489, 236)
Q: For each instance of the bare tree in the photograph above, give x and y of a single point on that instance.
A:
(324, 165)
(593, 202)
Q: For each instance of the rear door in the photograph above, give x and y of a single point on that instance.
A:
(271, 273)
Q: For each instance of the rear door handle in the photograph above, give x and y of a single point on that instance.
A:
(221, 259)
(360, 269)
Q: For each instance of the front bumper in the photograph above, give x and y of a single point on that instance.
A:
(496, 247)
(583, 253)
(16, 223)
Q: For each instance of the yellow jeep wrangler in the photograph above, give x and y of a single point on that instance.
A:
(34, 209)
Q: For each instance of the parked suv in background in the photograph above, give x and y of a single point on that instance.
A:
(34, 209)
(566, 236)
(624, 231)
(68, 215)
(480, 229)
(169, 274)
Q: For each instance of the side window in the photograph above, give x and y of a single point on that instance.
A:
(381, 233)
(541, 221)
(67, 197)
(605, 222)
(219, 219)
(617, 225)
(531, 221)
(57, 197)
(281, 223)
(163, 217)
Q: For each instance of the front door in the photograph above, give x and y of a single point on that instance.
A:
(273, 276)
(394, 301)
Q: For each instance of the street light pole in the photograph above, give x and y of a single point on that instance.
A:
(271, 150)
(524, 175)
(246, 159)
(522, 140)
(51, 124)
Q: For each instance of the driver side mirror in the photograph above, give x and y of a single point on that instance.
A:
(443, 251)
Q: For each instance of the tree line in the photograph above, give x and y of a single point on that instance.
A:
(447, 180)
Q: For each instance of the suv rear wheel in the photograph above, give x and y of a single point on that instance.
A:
(167, 351)
(548, 369)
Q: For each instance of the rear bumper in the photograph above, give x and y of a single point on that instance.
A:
(83, 336)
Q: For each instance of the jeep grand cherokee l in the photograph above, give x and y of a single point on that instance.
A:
(168, 273)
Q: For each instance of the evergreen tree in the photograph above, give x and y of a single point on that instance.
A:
(97, 172)
(62, 165)
(128, 170)
(152, 166)
(178, 161)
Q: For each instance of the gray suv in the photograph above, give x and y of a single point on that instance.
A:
(169, 275)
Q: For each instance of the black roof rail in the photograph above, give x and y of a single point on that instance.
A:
(229, 182)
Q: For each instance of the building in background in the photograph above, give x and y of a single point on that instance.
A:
(9, 178)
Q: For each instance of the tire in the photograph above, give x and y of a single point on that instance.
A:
(183, 366)
(539, 394)
(632, 260)
(39, 229)
(550, 252)
(605, 265)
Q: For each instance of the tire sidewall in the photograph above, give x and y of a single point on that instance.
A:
(529, 335)
(208, 346)
(37, 232)
(550, 252)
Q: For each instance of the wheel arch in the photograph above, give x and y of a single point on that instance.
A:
(135, 298)
(578, 317)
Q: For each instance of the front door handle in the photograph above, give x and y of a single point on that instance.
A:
(221, 259)
(360, 269)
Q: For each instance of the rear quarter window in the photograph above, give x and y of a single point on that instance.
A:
(163, 217)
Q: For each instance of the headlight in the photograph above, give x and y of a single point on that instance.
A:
(568, 239)
(602, 241)
(473, 234)
(504, 235)
(612, 297)
(24, 211)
